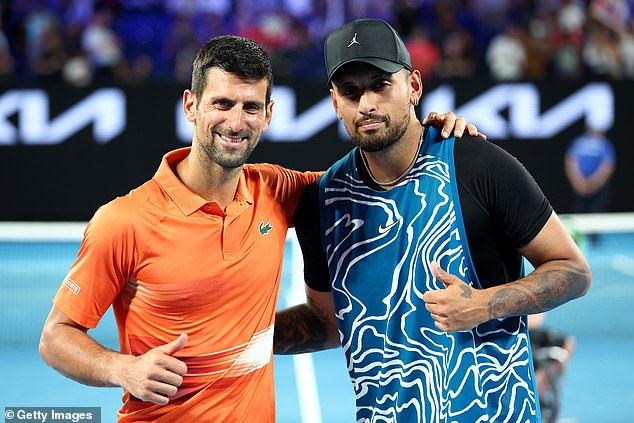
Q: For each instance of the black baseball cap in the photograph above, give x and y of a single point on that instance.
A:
(371, 41)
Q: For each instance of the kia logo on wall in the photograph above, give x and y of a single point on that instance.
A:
(505, 110)
(105, 109)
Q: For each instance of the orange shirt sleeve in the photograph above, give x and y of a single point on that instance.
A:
(289, 186)
(103, 266)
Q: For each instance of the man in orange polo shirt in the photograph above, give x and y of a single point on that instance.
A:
(191, 262)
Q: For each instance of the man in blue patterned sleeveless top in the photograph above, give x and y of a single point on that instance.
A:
(413, 253)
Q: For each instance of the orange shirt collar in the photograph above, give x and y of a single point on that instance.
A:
(186, 200)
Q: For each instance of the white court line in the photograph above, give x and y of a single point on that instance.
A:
(624, 264)
(600, 222)
(73, 231)
(41, 231)
(303, 363)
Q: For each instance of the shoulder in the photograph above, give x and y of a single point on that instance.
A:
(123, 217)
(500, 185)
(279, 185)
(273, 174)
(475, 156)
(484, 150)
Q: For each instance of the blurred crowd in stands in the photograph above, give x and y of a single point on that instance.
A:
(131, 41)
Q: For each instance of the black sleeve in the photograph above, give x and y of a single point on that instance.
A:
(307, 227)
(502, 206)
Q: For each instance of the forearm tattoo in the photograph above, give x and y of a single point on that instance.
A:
(299, 329)
(540, 291)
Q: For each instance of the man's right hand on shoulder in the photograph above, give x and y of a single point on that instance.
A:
(156, 375)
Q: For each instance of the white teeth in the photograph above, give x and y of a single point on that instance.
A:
(230, 139)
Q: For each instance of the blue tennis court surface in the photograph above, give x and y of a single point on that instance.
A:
(315, 388)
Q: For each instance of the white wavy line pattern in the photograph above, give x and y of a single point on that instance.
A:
(402, 367)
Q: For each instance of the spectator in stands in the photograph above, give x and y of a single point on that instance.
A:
(506, 55)
(567, 61)
(51, 56)
(6, 60)
(424, 54)
(77, 70)
(589, 164)
(458, 55)
(37, 24)
(627, 50)
(571, 17)
(538, 54)
(103, 46)
(566, 38)
(180, 49)
(571, 38)
(601, 53)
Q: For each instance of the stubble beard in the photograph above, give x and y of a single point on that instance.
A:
(228, 158)
(379, 141)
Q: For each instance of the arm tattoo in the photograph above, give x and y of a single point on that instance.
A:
(540, 291)
(299, 329)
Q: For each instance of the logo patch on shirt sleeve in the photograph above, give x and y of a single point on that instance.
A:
(72, 285)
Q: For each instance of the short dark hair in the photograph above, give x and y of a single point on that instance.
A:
(236, 55)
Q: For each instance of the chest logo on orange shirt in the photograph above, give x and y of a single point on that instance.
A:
(265, 228)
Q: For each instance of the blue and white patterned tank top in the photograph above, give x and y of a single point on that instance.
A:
(379, 246)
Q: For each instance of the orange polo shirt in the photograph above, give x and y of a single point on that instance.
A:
(170, 263)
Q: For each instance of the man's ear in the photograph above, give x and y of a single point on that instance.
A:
(189, 105)
(269, 115)
(415, 87)
(333, 97)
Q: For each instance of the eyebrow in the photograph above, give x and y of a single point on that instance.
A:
(259, 104)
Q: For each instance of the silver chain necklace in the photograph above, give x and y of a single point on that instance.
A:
(402, 175)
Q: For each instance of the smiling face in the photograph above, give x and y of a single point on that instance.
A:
(229, 118)
(374, 105)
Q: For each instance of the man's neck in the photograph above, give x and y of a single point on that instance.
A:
(393, 163)
(208, 180)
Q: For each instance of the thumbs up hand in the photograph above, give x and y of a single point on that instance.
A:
(458, 307)
(156, 375)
